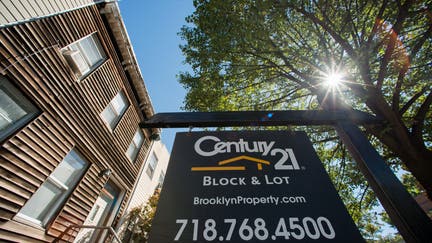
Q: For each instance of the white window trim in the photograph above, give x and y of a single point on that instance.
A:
(118, 116)
(5, 117)
(41, 224)
(149, 166)
(57, 183)
(136, 146)
(95, 66)
(160, 183)
(22, 218)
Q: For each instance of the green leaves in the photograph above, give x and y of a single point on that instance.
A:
(138, 221)
(274, 55)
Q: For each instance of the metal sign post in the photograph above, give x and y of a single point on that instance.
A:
(409, 218)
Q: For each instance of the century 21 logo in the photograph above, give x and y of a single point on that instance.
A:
(241, 146)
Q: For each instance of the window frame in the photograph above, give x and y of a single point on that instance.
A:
(57, 202)
(136, 147)
(21, 100)
(82, 52)
(150, 166)
(118, 116)
(160, 182)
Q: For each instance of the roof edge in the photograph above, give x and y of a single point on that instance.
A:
(112, 12)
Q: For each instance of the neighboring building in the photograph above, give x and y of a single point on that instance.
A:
(71, 100)
(152, 175)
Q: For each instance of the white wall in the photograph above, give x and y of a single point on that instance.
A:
(14, 11)
(146, 186)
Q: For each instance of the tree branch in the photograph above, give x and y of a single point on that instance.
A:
(363, 195)
(294, 40)
(396, 91)
(393, 35)
(386, 59)
(420, 66)
(363, 29)
(327, 139)
(354, 31)
(253, 84)
(323, 42)
(378, 20)
(279, 100)
(323, 11)
(419, 118)
(421, 41)
(341, 173)
(287, 63)
(344, 44)
(283, 72)
(412, 100)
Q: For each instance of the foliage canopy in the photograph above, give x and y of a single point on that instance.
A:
(276, 55)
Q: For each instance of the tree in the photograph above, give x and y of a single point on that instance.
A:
(139, 220)
(276, 55)
(260, 55)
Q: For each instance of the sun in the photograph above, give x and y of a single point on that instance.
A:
(333, 80)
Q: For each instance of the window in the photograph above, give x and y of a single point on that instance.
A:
(94, 212)
(153, 160)
(135, 145)
(84, 55)
(115, 110)
(15, 109)
(50, 197)
(161, 179)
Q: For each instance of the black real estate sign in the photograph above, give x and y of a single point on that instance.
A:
(249, 186)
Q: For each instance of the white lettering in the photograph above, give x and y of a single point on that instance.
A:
(241, 146)
(267, 147)
(198, 148)
(276, 180)
(234, 181)
(206, 181)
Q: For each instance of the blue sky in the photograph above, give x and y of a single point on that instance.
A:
(152, 27)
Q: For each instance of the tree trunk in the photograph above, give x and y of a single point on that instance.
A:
(394, 134)
(422, 171)
(404, 144)
(416, 158)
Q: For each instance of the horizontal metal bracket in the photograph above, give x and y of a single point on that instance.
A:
(257, 118)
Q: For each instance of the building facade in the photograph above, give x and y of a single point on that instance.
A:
(152, 175)
(71, 100)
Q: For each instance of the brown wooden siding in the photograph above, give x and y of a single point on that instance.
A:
(70, 117)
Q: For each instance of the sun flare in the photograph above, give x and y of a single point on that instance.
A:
(333, 79)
